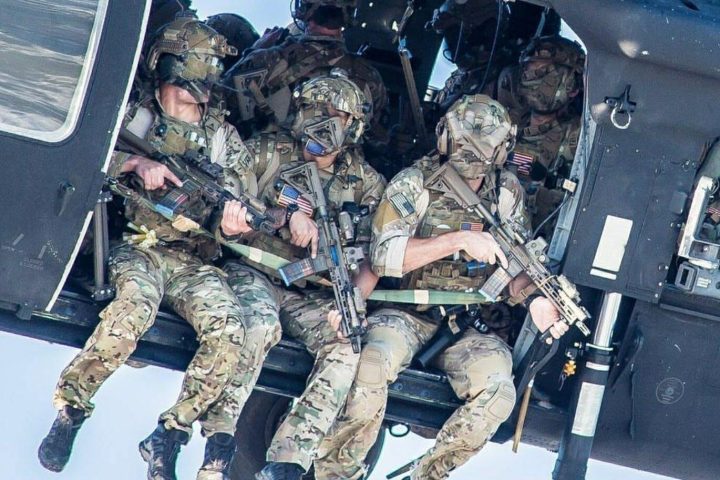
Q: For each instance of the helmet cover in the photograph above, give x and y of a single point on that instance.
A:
(476, 135)
(329, 13)
(551, 69)
(188, 53)
(318, 104)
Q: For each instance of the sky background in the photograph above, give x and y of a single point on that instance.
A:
(129, 402)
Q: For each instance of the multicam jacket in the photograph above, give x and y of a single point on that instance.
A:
(409, 210)
(351, 180)
(212, 136)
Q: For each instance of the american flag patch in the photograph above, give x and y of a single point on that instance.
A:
(402, 205)
(289, 196)
(472, 227)
(522, 161)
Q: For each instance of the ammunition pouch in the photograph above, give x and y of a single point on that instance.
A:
(448, 275)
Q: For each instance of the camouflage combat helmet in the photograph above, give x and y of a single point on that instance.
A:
(468, 29)
(188, 53)
(476, 135)
(325, 12)
(316, 104)
(238, 30)
(552, 69)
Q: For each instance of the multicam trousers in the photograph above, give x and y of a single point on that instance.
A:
(258, 299)
(479, 368)
(304, 317)
(199, 293)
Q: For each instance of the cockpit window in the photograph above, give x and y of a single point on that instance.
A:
(47, 51)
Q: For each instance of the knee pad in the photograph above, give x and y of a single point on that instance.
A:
(501, 403)
(133, 315)
(234, 332)
(372, 371)
(386, 353)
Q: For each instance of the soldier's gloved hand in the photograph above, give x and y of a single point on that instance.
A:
(304, 232)
(544, 315)
(334, 319)
(483, 248)
(153, 173)
(234, 220)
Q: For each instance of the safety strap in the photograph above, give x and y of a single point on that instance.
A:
(254, 254)
(274, 160)
(564, 145)
(430, 297)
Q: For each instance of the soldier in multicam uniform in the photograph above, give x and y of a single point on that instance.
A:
(424, 238)
(330, 113)
(265, 78)
(171, 264)
(238, 30)
(468, 31)
(548, 80)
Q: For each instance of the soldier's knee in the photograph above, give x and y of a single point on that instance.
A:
(500, 405)
(487, 412)
(265, 331)
(382, 358)
(134, 308)
(225, 335)
(483, 372)
(339, 364)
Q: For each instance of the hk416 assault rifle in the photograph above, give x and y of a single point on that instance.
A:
(523, 255)
(332, 257)
(200, 177)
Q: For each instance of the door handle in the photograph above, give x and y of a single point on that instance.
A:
(65, 191)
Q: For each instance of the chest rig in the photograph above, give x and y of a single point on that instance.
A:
(174, 137)
(455, 273)
(271, 151)
(345, 185)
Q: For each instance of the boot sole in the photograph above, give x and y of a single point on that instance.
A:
(146, 454)
(47, 464)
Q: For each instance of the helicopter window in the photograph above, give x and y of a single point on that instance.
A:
(47, 50)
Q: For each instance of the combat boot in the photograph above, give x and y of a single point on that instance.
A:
(281, 471)
(160, 451)
(56, 447)
(219, 452)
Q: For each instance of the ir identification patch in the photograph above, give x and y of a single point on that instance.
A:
(402, 205)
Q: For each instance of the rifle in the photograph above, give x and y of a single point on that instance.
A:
(333, 257)
(523, 255)
(200, 177)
